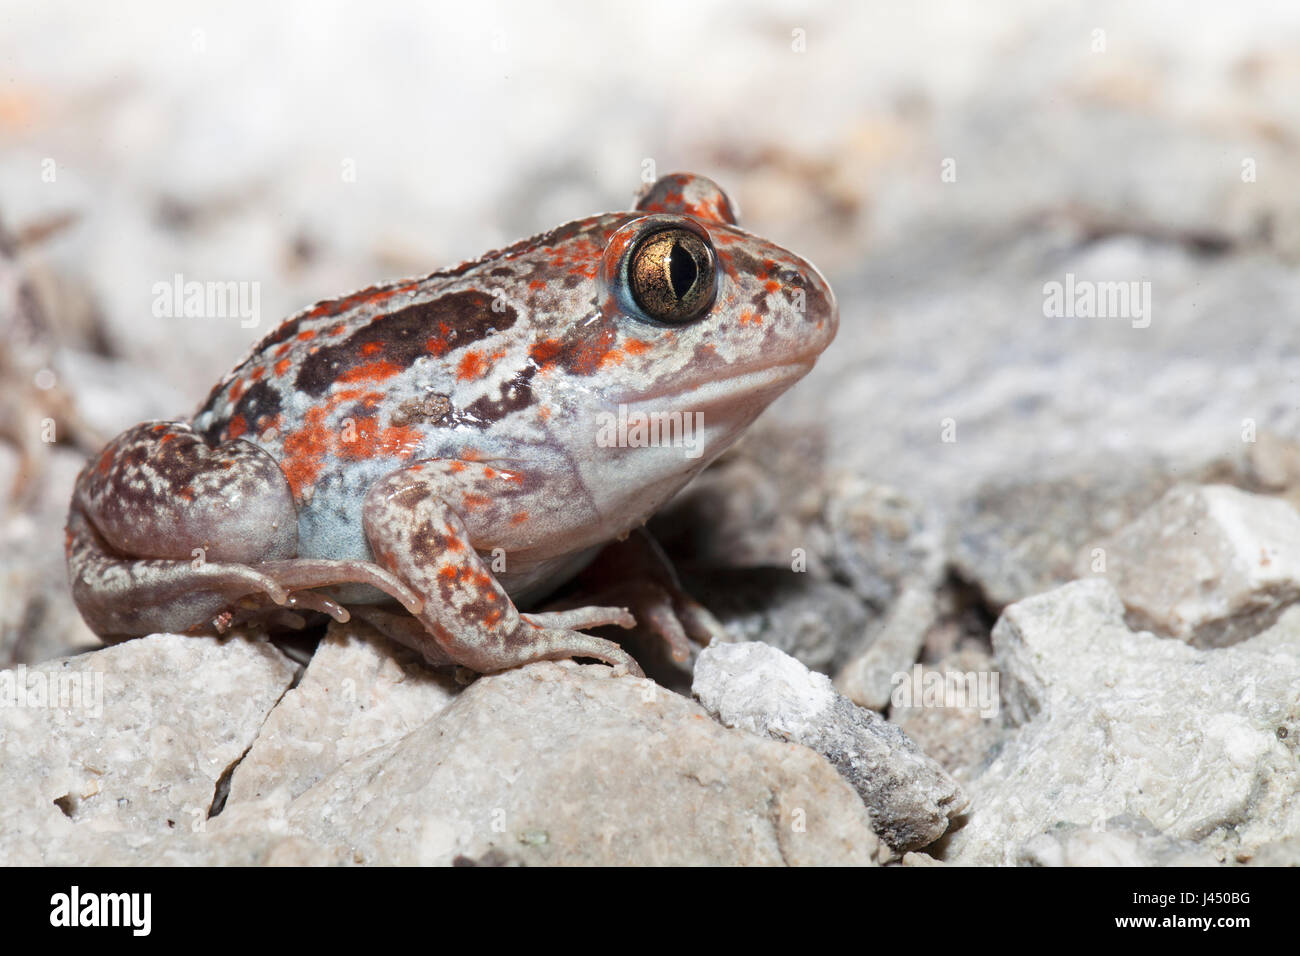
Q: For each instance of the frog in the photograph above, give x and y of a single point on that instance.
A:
(430, 455)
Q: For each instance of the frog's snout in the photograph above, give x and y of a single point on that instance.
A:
(823, 311)
(814, 315)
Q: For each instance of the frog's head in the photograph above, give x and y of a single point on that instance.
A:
(728, 320)
(693, 326)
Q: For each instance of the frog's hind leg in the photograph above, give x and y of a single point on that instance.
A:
(421, 522)
(169, 533)
(128, 597)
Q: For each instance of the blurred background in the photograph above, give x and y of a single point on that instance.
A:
(940, 162)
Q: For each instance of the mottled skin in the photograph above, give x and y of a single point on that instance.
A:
(434, 441)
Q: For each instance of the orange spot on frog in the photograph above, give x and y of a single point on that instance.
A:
(472, 366)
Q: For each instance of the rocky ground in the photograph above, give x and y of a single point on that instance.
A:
(1001, 587)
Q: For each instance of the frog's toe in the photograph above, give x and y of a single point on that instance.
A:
(658, 611)
(311, 601)
(665, 610)
(697, 620)
(675, 616)
(582, 618)
(553, 644)
(539, 637)
(299, 575)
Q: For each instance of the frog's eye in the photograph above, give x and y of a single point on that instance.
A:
(672, 275)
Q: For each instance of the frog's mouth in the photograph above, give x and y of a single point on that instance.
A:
(744, 391)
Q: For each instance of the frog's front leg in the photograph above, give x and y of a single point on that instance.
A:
(169, 533)
(424, 524)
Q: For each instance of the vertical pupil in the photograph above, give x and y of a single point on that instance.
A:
(681, 269)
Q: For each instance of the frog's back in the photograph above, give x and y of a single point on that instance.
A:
(350, 389)
(416, 367)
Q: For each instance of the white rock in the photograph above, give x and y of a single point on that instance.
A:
(1119, 842)
(135, 759)
(867, 678)
(1282, 853)
(760, 689)
(360, 691)
(1106, 722)
(1208, 564)
(558, 763)
(916, 858)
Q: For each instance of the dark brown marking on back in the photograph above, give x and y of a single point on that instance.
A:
(401, 338)
(517, 394)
